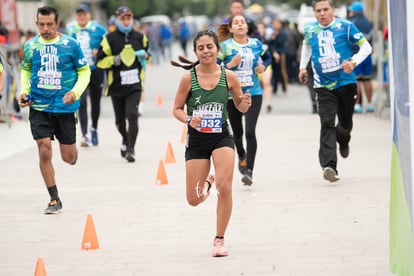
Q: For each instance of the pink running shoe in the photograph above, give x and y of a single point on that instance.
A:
(219, 249)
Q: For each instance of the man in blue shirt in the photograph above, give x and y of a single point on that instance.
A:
(329, 43)
(54, 74)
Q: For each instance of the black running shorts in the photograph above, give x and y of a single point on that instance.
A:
(201, 145)
(59, 125)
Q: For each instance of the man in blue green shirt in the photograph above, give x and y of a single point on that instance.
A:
(54, 74)
(329, 44)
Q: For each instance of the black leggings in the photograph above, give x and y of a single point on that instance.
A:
(251, 117)
(94, 90)
(126, 109)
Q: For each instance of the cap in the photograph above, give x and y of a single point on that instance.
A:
(121, 11)
(83, 7)
(356, 7)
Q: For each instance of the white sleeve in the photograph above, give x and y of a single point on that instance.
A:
(365, 49)
(305, 56)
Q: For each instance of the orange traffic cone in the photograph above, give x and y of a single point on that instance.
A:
(183, 134)
(90, 240)
(40, 268)
(169, 155)
(159, 100)
(161, 174)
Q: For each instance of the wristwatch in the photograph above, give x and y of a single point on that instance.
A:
(189, 119)
(354, 63)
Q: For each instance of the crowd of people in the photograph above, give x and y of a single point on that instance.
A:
(239, 64)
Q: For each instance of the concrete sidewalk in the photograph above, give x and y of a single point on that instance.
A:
(289, 222)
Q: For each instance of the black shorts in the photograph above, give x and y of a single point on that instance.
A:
(51, 125)
(201, 145)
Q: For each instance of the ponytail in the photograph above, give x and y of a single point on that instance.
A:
(223, 32)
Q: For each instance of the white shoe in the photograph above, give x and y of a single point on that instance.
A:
(330, 174)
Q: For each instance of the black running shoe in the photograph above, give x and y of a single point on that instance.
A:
(344, 151)
(53, 207)
(247, 178)
(130, 157)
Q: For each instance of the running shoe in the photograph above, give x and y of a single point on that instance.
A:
(123, 150)
(247, 178)
(219, 249)
(54, 206)
(370, 108)
(130, 157)
(242, 165)
(344, 151)
(85, 142)
(330, 174)
(358, 108)
(94, 136)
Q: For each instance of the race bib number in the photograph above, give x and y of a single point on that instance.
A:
(129, 77)
(330, 64)
(49, 80)
(211, 122)
(245, 77)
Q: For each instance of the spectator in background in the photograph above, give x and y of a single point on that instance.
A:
(277, 47)
(89, 34)
(294, 42)
(3, 40)
(2, 77)
(166, 41)
(154, 40)
(386, 66)
(184, 35)
(237, 7)
(363, 71)
(266, 76)
(3, 34)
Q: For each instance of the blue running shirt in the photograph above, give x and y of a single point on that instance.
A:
(89, 38)
(250, 53)
(331, 46)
